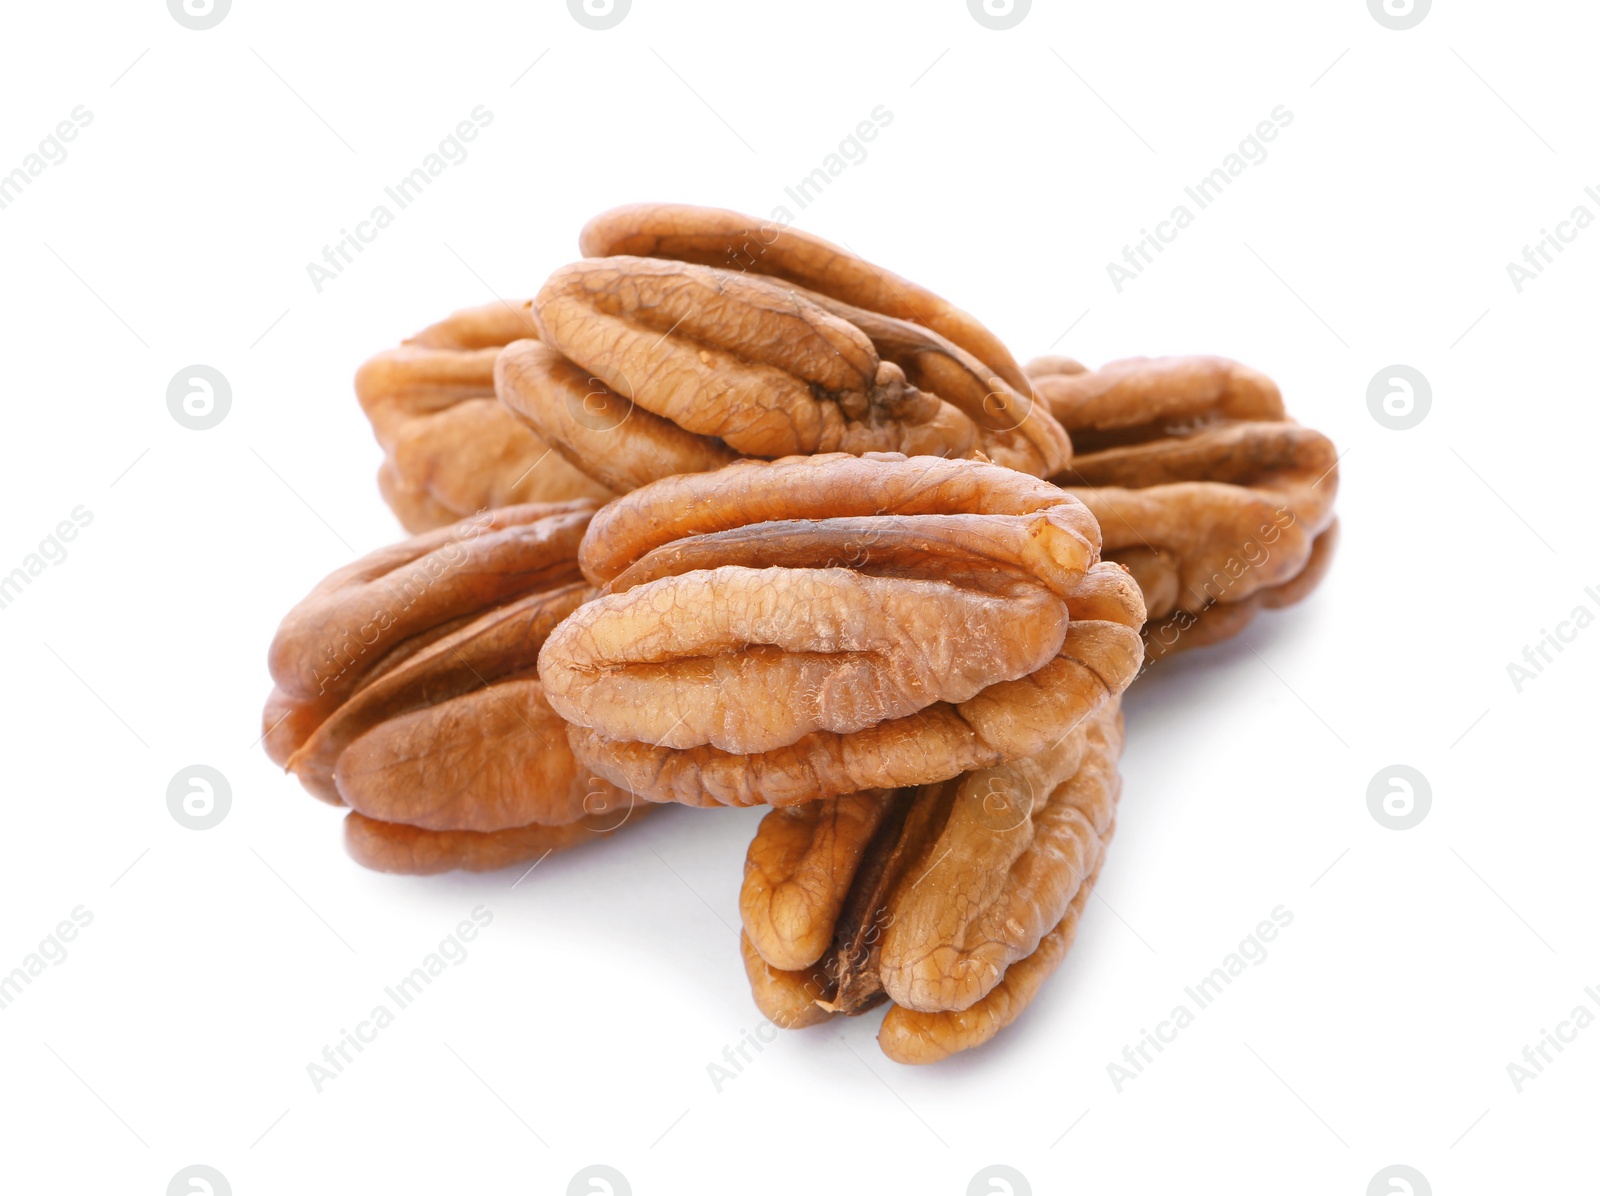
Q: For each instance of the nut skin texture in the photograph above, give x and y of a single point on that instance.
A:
(798, 873)
(450, 448)
(731, 241)
(1181, 630)
(617, 442)
(915, 1036)
(1059, 548)
(1126, 401)
(806, 349)
(361, 613)
(788, 999)
(762, 370)
(882, 365)
(412, 851)
(406, 689)
(1013, 853)
(688, 660)
(1013, 429)
(1202, 486)
(880, 621)
(974, 916)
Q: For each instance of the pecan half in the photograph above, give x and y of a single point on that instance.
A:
(951, 901)
(730, 241)
(778, 632)
(1202, 486)
(719, 362)
(618, 443)
(407, 689)
(450, 448)
(738, 337)
(1182, 630)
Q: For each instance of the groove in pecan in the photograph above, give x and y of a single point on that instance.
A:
(756, 365)
(1006, 721)
(963, 899)
(815, 626)
(611, 438)
(1202, 486)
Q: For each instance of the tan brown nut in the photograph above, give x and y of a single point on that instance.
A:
(1202, 486)
(953, 901)
(450, 448)
(406, 688)
(662, 367)
(776, 632)
(412, 851)
(743, 244)
(1183, 630)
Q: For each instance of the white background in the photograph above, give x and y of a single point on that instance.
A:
(1016, 166)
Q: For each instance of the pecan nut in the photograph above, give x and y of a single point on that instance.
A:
(1201, 484)
(953, 901)
(406, 688)
(730, 241)
(592, 428)
(450, 448)
(716, 361)
(781, 631)
(1183, 630)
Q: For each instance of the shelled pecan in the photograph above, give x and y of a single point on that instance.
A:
(406, 688)
(782, 631)
(856, 564)
(1202, 486)
(451, 449)
(1182, 630)
(730, 241)
(953, 901)
(712, 353)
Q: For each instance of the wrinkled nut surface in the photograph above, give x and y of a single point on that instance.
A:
(1139, 399)
(1182, 630)
(617, 442)
(743, 244)
(706, 363)
(450, 448)
(778, 632)
(412, 851)
(953, 902)
(406, 689)
(1202, 486)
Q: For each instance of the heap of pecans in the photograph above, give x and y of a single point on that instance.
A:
(728, 516)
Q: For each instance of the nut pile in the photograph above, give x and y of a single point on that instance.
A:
(726, 516)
